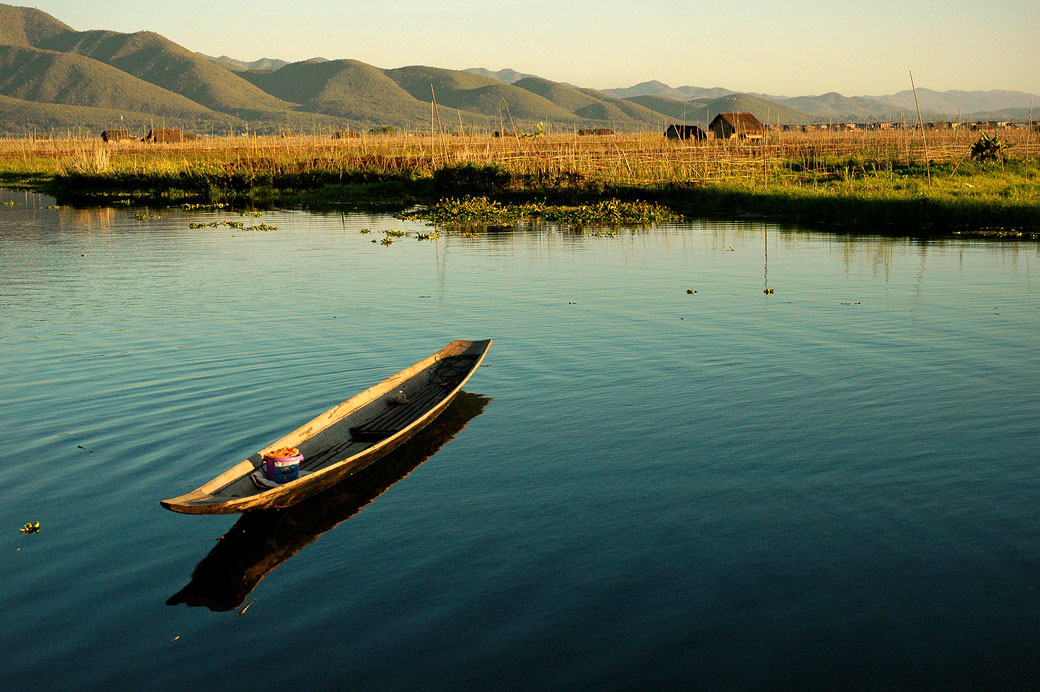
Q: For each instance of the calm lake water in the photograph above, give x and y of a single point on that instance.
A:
(833, 486)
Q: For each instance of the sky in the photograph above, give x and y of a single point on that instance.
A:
(782, 48)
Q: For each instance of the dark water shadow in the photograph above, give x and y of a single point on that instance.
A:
(260, 541)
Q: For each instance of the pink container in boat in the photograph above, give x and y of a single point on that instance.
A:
(282, 469)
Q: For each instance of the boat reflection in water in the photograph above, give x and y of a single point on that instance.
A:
(260, 541)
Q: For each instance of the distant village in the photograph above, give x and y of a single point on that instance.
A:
(738, 125)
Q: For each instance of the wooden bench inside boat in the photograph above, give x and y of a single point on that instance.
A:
(399, 416)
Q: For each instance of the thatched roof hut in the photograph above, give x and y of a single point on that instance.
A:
(742, 125)
(685, 132)
(115, 135)
(164, 136)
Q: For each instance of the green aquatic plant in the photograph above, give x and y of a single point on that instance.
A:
(481, 210)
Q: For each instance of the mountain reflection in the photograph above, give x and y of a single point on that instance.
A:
(260, 541)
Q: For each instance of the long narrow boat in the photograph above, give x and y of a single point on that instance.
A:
(346, 438)
(261, 541)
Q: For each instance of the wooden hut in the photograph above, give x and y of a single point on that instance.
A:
(685, 132)
(164, 136)
(115, 135)
(742, 125)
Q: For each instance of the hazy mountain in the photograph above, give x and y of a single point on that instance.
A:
(954, 102)
(834, 106)
(671, 109)
(263, 64)
(702, 112)
(683, 93)
(508, 76)
(54, 76)
(588, 104)
(769, 112)
(475, 93)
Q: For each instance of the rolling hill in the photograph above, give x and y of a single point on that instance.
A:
(26, 26)
(35, 75)
(475, 93)
(680, 111)
(153, 58)
(588, 104)
(838, 108)
(769, 112)
(22, 118)
(52, 75)
(360, 93)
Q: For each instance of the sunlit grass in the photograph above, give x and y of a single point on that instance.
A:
(788, 170)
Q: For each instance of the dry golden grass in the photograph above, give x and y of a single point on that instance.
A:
(623, 159)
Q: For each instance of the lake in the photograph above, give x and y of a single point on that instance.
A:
(832, 485)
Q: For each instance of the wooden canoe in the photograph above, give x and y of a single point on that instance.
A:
(259, 542)
(346, 438)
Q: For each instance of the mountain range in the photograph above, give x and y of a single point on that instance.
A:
(54, 79)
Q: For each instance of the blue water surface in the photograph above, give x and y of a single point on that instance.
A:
(830, 486)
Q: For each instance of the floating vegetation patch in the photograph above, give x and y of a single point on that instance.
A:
(466, 210)
(146, 217)
(469, 211)
(389, 236)
(193, 207)
(233, 224)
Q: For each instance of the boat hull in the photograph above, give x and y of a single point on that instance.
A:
(341, 441)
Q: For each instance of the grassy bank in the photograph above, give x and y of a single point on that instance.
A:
(896, 182)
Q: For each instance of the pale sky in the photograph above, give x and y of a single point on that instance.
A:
(782, 47)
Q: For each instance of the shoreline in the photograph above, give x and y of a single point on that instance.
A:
(878, 185)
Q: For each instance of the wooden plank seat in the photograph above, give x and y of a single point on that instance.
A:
(398, 417)
(328, 455)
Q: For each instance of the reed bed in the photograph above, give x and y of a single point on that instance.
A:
(623, 159)
(820, 175)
